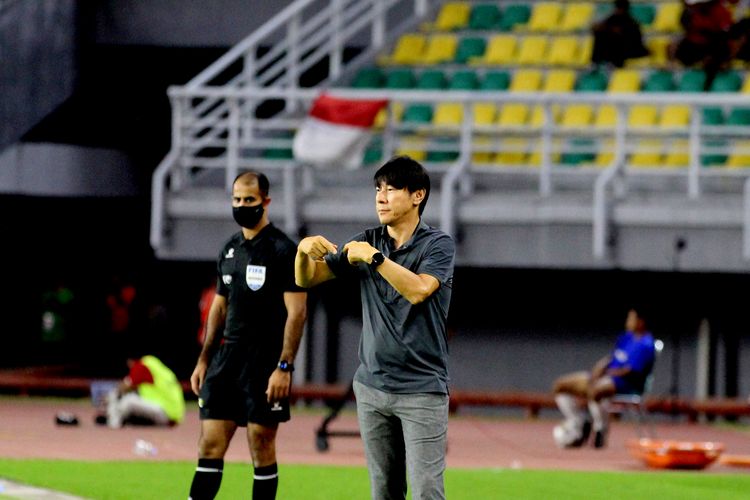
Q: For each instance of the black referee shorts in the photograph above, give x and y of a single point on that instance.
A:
(235, 389)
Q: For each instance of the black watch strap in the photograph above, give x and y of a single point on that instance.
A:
(286, 366)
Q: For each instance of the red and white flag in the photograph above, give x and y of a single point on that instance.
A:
(336, 131)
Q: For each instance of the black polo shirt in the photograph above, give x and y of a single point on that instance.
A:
(253, 276)
(404, 346)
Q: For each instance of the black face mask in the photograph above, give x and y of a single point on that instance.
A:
(248, 217)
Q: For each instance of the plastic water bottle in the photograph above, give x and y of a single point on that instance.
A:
(144, 448)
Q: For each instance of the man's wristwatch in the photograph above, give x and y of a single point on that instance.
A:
(286, 366)
(377, 259)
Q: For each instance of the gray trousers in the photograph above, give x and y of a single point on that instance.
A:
(403, 433)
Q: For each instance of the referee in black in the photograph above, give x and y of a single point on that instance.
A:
(243, 374)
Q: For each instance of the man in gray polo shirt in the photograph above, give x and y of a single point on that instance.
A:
(405, 271)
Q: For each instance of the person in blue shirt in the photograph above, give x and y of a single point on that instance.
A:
(623, 371)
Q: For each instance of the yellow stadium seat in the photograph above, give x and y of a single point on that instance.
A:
(448, 114)
(452, 16)
(624, 80)
(676, 154)
(413, 146)
(484, 113)
(647, 154)
(642, 115)
(408, 50)
(563, 51)
(675, 116)
(501, 49)
(606, 116)
(740, 155)
(606, 154)
(545, 16)
(659, 45)
(559, 80)
(526, 80)
(532, 50)
(577, 16)
(577, 115)
(441, 48)
(585, 49)
(514, 151)
(513, 114)
(396, 108)
(667, 18)
(745, 89)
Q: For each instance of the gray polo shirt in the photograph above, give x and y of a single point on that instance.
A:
(404, 347)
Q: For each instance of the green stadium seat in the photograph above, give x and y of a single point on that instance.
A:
(485, 17)
(659, 81)
(417, 113)
(468, 48)
(727, 81)
(400, 79)
(593, 81)
(431, 80)
(464, 80)
(368, 78)
(713, 116)
(692, 80)
(739, 116)
(644, 13)
(495, 80)
(278, 154)
(514, 14)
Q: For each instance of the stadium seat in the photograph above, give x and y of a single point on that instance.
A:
(739, 116)
(417, 113)
(514, 15)
(396, 109)
(413, 146)
(739, 155)
(400, 79)
(448, 114)
(585, 49)
(659, 81)
(675, 116)
(485, 17)
(676, 153)
(408, 50)
(526, 80)
(485, 113)
(441, 48)
(559, 80)
(470, 48)
(532, 50)
(647, 153)
(644, 13)
(642, 115)
(368, 78)
(452, 16)
(577, 16)
(495, 80)
(431, 80)
(667, 17)
(594, 81)
(624, 80)
(713, 115)
(563, 51)
(605, 116)
(513, 114)
(501, 49)
(464, 80)
(745, 89)
(545, 16)
(692, 80)
(659, 46)
(577, 115)
(726, 81)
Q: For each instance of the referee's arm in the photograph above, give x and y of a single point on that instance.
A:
(217, 315)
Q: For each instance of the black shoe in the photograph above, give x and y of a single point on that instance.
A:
(100, 420)
(600, 438)
(585, 433)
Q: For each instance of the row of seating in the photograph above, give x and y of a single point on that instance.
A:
(559, 17)
(414, 49)
(550, 80)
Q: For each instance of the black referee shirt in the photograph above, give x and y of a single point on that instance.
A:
(253, 276)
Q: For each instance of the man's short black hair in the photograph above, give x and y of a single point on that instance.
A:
(404, 172)
(263, 185)
(622, 4)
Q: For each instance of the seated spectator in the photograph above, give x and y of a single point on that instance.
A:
(149, 395)
(581, 395)
(705, 40)
(739, 36)
(618, 37)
